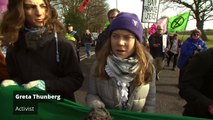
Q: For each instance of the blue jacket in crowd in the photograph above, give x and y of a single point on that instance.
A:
(188, 48)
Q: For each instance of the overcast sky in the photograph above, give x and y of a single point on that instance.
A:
(135, 6)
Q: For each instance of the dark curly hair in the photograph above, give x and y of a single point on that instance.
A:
(14, 20)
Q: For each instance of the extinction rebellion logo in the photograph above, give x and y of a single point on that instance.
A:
(179, 21)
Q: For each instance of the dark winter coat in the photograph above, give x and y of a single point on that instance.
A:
(197, 85)
(102, 38)
(87, 38)
(157, 51)
(26, 64)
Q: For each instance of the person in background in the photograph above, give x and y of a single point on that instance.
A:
(123, 76)
(38, 54)
(73, 36)
(196, 87)
(88, 43)
(103, 37)
(174, 50)
(145, 39)
(156, 49)
(191, 46)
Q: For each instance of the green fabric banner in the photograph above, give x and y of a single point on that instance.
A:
(178, 22)
(13, 98)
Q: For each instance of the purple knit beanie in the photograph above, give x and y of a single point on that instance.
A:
(129, 22)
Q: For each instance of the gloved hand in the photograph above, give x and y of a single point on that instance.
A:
(98, 113)
(8, 82)
(210, 108)
(40, 84)
(96, 104)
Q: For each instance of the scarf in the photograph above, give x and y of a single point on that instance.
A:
(124, 71)
(33, 37)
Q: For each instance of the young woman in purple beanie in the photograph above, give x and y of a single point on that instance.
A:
(123, 76)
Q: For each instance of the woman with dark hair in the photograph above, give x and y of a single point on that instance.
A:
(38, 54)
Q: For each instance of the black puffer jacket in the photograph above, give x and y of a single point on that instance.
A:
(37, 60)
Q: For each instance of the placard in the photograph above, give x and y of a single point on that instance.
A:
(150, 11)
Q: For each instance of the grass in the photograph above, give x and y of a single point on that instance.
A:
(209, 43)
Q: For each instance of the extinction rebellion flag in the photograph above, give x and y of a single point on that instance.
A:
(178, 22)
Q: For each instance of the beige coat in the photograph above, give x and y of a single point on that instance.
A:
(106, 93)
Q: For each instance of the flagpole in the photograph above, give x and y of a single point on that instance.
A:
(117, 4)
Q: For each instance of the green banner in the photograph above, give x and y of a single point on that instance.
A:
(178, 23)
(17, 103)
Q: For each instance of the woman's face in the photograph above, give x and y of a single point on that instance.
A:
(112, 16)
(196, 36)
(122, 43)
(87, 31)
(35, 12)
(70, 28)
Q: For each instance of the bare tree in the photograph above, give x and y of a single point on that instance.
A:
(202, 10)
(93, 17)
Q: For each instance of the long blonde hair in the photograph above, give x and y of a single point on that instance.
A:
(144, 74)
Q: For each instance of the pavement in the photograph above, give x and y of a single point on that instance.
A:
(167, 99)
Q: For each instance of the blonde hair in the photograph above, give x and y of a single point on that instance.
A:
(143, 75)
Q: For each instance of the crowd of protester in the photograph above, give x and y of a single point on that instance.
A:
(126, 67)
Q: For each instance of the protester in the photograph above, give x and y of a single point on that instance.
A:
(73, 36)
(123, 76)
(191, 46)
(174, 50)
(103, 37)
(38, 54)
(196, 87)
(156, 49)
(145, 39)
(87, 42)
